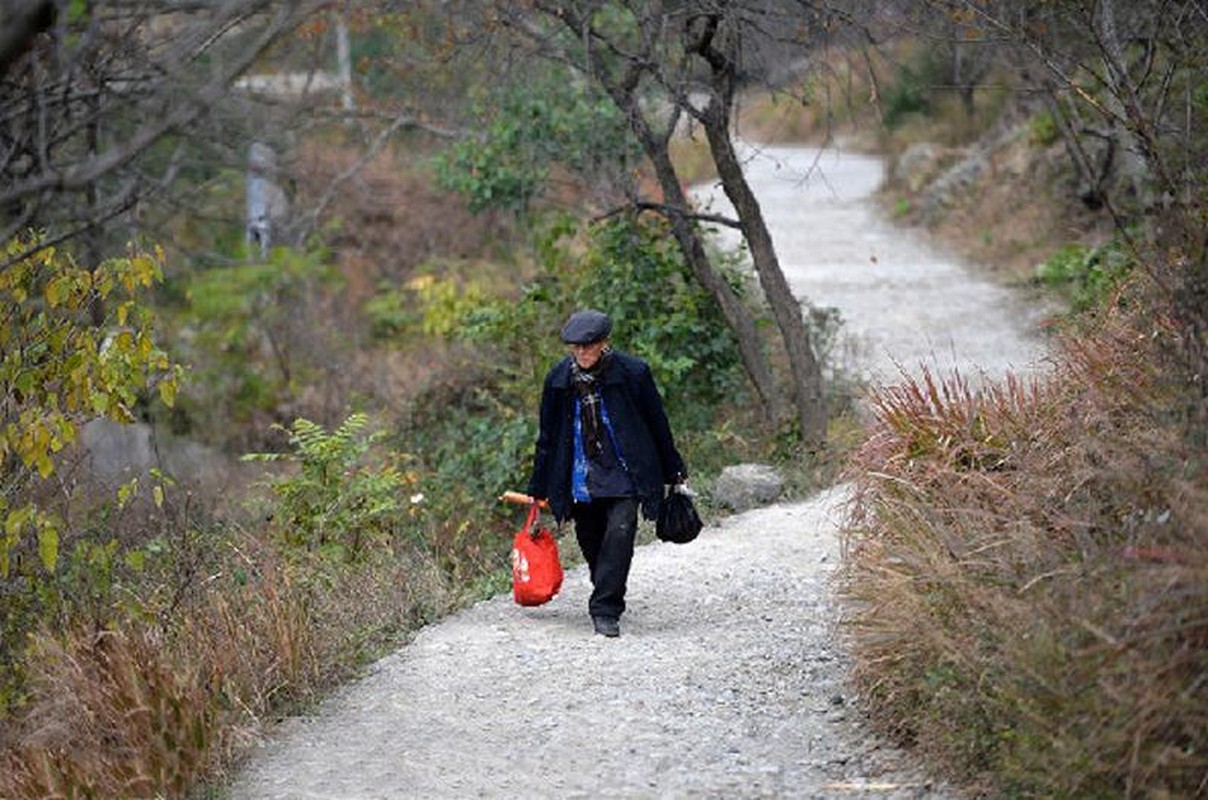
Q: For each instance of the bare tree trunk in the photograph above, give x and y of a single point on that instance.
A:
(740, 319)
(786, 309)
(1137, 167)
(808, 392)
(344, 63)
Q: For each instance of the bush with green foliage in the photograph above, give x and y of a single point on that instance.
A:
(528, 130)
(909, 91)
(1086, 276)
(63, 366)
(251, 333)
(77, 344)
(341, 499)
(1042, 129)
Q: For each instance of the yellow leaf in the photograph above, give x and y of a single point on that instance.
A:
(53, 292)
(167, 392)
(157, 494)
(125, 492)
(16, 520)
(48, 546)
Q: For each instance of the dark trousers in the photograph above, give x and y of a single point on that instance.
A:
(606, 529)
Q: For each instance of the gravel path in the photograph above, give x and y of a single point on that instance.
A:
(728, 680)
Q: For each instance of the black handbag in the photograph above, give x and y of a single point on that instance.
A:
(678, 521)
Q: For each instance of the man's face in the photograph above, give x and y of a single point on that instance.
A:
(586, 355)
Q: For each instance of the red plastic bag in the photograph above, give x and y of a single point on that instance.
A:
(536, 568)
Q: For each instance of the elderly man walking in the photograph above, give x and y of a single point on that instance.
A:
(604, 450)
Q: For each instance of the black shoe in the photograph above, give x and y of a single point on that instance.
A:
(607, 626)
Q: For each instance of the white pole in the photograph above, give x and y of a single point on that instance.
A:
(345, 62)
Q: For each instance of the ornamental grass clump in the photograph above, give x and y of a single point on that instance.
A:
(1027, 575)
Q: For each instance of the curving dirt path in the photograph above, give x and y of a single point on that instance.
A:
(729, 679)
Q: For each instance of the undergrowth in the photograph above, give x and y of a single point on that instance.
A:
(1027, 575)
(186, 663)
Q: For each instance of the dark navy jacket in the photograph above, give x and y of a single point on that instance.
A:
(638, 419)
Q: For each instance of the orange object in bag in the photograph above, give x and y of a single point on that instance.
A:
(536, 568)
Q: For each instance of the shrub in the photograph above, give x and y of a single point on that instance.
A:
(252, 333)
(341, 500)
(1087, 276)
(909, 92)
(529, 129)
(77, 343)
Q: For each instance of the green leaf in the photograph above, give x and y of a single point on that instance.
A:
(136, 559)
(77, 11)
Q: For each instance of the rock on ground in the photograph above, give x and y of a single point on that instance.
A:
(745, 486)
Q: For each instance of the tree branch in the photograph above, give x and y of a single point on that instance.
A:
(669, 211)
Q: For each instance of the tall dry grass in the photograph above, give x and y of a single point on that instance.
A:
(161, 707)
(1027, 572)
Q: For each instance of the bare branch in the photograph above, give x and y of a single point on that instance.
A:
(79, 116)
(669, 211)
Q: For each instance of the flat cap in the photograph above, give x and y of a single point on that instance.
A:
(586, 326)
